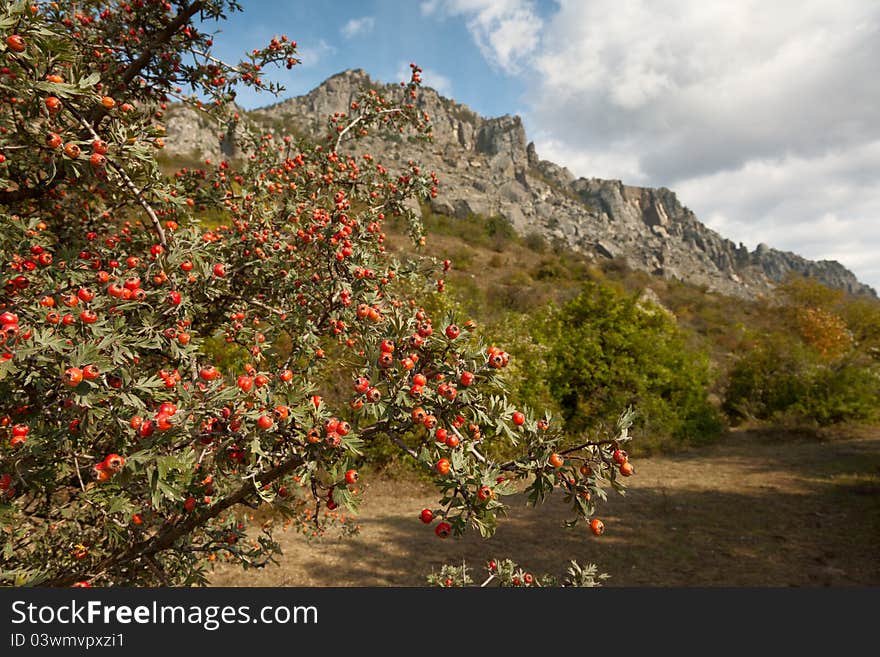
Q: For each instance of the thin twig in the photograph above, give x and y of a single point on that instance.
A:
(78, 475)
(395, 110)
(262, 305)
(399, 442)
(594, 443)
(157, 570)
(129, 183)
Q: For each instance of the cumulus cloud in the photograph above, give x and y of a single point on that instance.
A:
(761, 115)
(358, 26)
(506, 31)
(700, 87)
(823, 207)
(312, 55)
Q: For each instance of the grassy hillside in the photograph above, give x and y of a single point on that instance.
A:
(587, 342)
(806, 357)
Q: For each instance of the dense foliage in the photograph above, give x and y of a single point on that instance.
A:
(603, 350)
(159, 375)
(806, 356)
(821, 365)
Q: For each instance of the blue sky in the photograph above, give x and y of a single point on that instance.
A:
(762, 116)
(381, 37)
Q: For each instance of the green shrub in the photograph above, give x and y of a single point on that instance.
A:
(600, 352)
(781, 379)
(815, 366)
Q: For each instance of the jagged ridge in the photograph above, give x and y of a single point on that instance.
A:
(487, 167)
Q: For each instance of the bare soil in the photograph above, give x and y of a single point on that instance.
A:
(757, 509)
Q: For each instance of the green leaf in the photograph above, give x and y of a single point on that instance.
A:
(89, 81)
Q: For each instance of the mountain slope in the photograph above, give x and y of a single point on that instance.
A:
(486, 166)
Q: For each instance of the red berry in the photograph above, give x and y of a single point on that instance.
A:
(72, 376)
(452, 331)
(442, 466)
(146, 428)
(219, 270)
(426, 516)
(443, 529)
(519, 419)
(15, 43)
(466, 378)
(264, 422)
(167, 408)
(114, 463)
(209, 373)
(351, 477)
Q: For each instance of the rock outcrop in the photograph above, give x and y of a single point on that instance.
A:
(486, 166)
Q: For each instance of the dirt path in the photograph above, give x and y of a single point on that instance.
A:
(755, 510)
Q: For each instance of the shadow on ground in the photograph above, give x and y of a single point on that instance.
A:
(749, 512)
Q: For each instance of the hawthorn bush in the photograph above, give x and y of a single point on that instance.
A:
(159, 376)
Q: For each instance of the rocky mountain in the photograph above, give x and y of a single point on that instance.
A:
(487, 166)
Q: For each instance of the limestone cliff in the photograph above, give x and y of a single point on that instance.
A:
(486, 166)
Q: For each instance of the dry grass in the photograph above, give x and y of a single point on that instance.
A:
(757, 509)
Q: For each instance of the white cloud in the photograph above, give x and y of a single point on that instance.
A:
(506, 31)
(358, 26)
(761, 115)
(312, 55)
(621, 160)
(823, 207)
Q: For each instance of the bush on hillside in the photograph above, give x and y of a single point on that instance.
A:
(818, 367)
(602, 351)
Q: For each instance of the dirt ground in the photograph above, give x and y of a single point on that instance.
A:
(756, 509)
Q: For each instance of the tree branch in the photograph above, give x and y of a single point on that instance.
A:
(147, 54)
(170, 535)
(129, 183)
